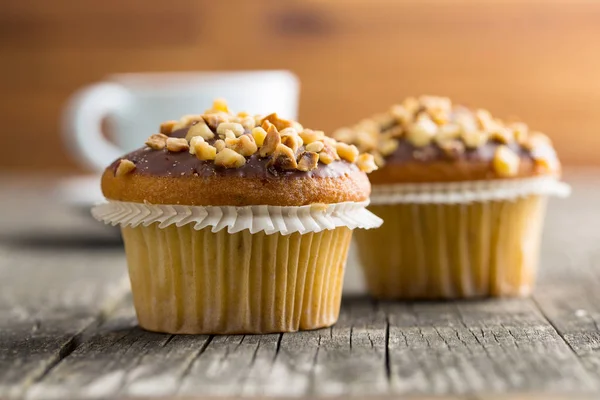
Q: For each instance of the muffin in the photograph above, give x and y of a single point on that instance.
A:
(462, 195)
(234, 223)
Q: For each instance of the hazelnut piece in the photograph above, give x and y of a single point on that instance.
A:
(279, 123)
(347, 152)
(421, 132)
(205, 151)
(315, 146)
(283, 157)
(259, 135)
(328, 154)
(229, 159)
(199, 129)
(272, 140)
(158, 141)
(234, 127)
(308, 135)
(166, 128)
(125, 166)
(177, 144)
(506, 162)
(388, 147)
(366, 163)
(245, 145)
(308, 161)
(219, 145)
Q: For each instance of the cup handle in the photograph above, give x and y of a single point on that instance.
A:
(82, 122)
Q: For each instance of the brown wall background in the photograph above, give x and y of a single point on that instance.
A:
(539, 60)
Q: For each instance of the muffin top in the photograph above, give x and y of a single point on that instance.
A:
(429, 139)
(220, 158)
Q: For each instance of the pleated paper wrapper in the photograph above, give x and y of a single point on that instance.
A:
(456, 240)
(226, 270)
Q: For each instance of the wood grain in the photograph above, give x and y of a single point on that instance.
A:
(537, 60)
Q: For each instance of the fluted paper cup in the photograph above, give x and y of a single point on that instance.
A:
(228, 270)
(449, 241)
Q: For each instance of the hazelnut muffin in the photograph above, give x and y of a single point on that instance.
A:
(234, 223)
(462, 195)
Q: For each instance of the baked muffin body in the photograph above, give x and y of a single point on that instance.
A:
(237, 224)
(463, 196)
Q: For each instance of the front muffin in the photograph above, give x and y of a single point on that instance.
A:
(462, 195)
(236, 223)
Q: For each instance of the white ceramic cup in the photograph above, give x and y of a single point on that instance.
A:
(136, 104)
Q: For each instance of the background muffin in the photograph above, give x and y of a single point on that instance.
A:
(463, 196)
(236, 223)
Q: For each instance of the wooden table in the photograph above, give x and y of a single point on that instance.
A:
(67, 326)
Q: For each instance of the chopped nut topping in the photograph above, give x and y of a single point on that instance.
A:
(546, 164)
(158, 141)
(506, 162)
(308, 136)
(421, 132)
(220, 145)
(388, 147)
(228, 135)
(245, 145)
(272, 140)
(259, 135)
(328, 155)
(428, 122)
(167, 127)
(366, 163)
(315, 146)
(199, 129)
(234, 127)
(283, 157)
(308, 160)
(293, 141)
(501, 134)
(447, 132)
(248, 123)
(125, 166)
(474, 139)
(193, 142)
(177, 144)
(214, 120)
(347, 152)
(279, 123)
(379, 161)
(189, 119)
(452, 148)
(536, 139)
(220, 105)
(229, 159)
(205, 151)
(227, 139)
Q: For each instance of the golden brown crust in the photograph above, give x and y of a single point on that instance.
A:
(235, 191)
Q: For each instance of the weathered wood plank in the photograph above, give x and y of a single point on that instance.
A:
(48, 298)
(474, 347)
(568, 293)
(119, 358)
(352, 360)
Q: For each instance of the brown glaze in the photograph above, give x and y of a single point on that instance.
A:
(164, 163)
(407, 152)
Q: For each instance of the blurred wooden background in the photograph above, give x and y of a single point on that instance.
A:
(539, 60)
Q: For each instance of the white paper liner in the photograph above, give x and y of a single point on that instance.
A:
(468, 191)
(270, 219)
